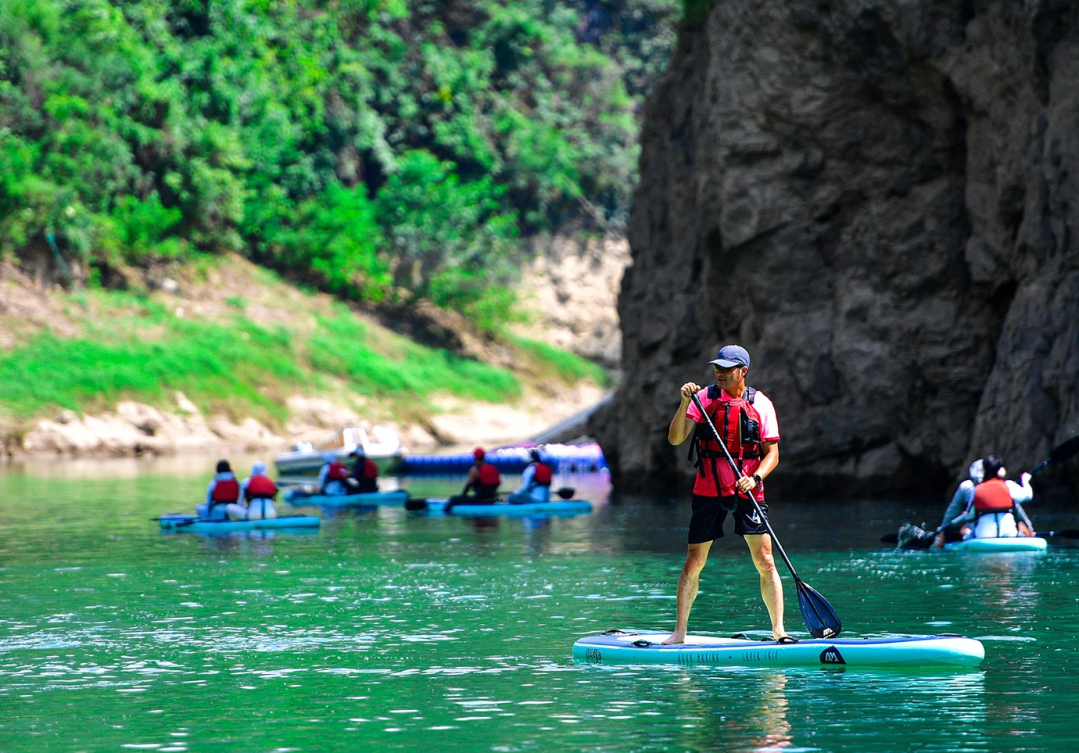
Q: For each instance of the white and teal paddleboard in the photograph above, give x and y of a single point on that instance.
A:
(906, 651)
(557, 508)
(178, 522)
(1009, 544)
(370, 499)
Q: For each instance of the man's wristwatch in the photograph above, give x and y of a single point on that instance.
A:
(757, 478)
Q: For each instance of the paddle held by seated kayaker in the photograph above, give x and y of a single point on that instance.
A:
(748, 423)
(481, 484)
(994, 504)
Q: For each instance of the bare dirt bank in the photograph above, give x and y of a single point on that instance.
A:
(570, 287)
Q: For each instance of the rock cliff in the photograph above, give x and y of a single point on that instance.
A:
(878, 200)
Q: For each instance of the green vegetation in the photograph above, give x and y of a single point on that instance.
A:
(382, 150)
(134, 347)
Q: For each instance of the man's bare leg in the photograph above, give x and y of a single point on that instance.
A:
(688, 582)
(760, 547)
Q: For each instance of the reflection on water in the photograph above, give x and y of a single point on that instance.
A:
(393, 631)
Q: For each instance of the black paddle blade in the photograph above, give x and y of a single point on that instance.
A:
(566, 492)
(1065, 450)
(415, 503)
(818, 615)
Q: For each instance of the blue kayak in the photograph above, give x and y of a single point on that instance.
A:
(179, 522)
(1002, 544)
(371, 499)
(555, 508)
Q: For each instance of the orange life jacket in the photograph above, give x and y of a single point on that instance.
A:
(992, 496)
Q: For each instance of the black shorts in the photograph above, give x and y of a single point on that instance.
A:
(709, 513)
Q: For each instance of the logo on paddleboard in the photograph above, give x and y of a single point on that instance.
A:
(831, 655)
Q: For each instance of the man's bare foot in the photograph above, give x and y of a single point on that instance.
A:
(674, 638)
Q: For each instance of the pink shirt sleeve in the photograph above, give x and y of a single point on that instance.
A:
(769, 421)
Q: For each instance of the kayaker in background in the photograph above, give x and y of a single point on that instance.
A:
(364, 474)
(535, 482)
(958, 505)
(481, 486)
(257, 493)
(333, 475)
(994, 504)
(747, 421)
(222, 491)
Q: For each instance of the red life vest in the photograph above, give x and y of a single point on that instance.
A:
(338, 471)
(739, 424)
(489, 475)
(369, 470)
(992, 496)
(226, 490)
(261, 487)
(542, 474)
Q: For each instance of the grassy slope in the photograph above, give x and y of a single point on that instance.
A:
(237, 340)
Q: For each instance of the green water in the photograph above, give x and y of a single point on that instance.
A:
(391, 631)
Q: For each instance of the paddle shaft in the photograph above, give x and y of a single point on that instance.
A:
(739, 474)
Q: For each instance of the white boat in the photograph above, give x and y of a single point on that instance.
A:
(1002, 544)
(381, 445)
(617, 647)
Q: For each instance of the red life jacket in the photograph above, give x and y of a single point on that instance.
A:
(542, 474)
(226, 490)
(739, 424)
(261, 487)
(992, 496)
(369, 469)
(489, 475)
(338, 471)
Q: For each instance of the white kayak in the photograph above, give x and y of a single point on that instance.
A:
(370, 499)
(615, 647)
(180, 522)
(562, 507)
(1004, 544)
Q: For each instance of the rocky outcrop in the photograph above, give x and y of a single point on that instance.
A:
(878, 199)
(571, 285)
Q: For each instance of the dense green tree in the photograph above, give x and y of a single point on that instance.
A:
(381, 149)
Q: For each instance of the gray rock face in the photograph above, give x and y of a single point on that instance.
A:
(877, 199)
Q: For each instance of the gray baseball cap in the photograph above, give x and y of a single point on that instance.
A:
(731, 355)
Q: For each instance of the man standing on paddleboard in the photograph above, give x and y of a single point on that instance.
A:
(747, 422)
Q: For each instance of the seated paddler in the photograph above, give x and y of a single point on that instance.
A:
(535, 482)
(222, 491)
(994, 509)
(333, 476)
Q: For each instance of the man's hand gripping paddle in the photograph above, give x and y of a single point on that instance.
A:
(817, 613)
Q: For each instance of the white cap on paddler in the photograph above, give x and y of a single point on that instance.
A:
(731, 355)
